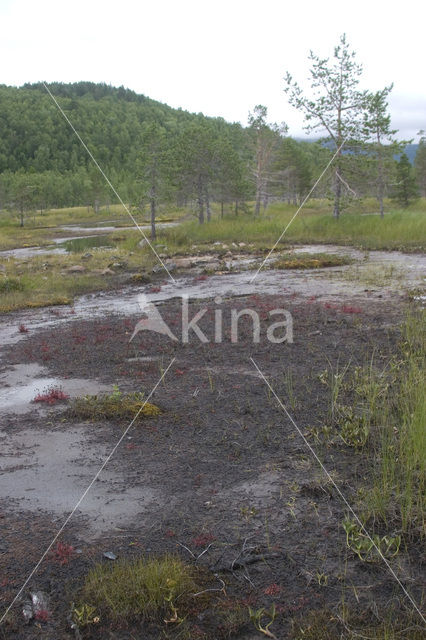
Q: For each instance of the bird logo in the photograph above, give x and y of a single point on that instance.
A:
(153, 320)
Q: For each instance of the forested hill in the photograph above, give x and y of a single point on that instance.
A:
(35, 137)
(154, 153)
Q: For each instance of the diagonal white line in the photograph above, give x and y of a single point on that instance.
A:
(70, 515)
(297, 212)
(107, 180)
(312, 450)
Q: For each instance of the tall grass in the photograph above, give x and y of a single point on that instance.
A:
(399, 484)
(397, 230)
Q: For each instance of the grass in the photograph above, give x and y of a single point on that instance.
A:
(41, 228)
(309, 261)
(398, 230)
(391, 624)
(45, 280)
(112, 406)
(147, 589)
(398, 493)
(386, 419)
(163, 592)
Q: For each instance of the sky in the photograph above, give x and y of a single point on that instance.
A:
(220, 58)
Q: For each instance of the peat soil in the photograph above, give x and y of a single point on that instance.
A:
(222, 477)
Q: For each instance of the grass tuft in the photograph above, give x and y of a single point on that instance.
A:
(147, 589)
(116, 405)
(310, 261)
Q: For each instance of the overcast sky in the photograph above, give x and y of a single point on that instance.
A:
(220, 58)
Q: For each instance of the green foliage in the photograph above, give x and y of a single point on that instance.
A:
(420, 164)
(257, 616)
(370, 548)
(147, 589)
(116, 405)
(10, 284)
(405, 190)
(334, 106)
(399, 487)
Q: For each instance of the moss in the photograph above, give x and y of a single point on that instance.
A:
(114, 406)
(310, 261)
(149, 589)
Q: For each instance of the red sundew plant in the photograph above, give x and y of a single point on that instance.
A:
(63, 552)
(348, 309)
(51, 395)
(203, 540)
(272, 590)
(42, 615)
(154, 290)
(22, 329)
(170, 533)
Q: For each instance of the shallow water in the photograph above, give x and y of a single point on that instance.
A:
(331, 284)
(51, 470)
(87, 232)
(20, 384)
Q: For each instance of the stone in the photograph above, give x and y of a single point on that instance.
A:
(76, 268)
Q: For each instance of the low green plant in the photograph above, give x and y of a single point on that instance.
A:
(116, 405)
(156, 589)
(85, 615)
(7, 285)
(354, 430)
(370, 548)
(256, 617)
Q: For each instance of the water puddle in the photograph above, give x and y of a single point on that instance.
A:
(22, 383)
(88, 233)
(359, 282)
(51, 469)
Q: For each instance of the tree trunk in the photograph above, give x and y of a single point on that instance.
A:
(153, 213)
(337, 193)
(236, 208)
(221, 209)
(258, 201)
(200, 201)
(208, 210)
(380, 178)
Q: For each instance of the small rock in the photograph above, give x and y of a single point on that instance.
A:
(171, 266)
(180, 263)
(110, 555)
(76, 268)
(87, 256)
(142, 242)
(140, 278)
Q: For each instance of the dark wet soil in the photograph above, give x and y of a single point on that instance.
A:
(229, 468)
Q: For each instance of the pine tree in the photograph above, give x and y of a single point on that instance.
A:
(380, 143)
(335, 107)
(420, 164)
(406, 189)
